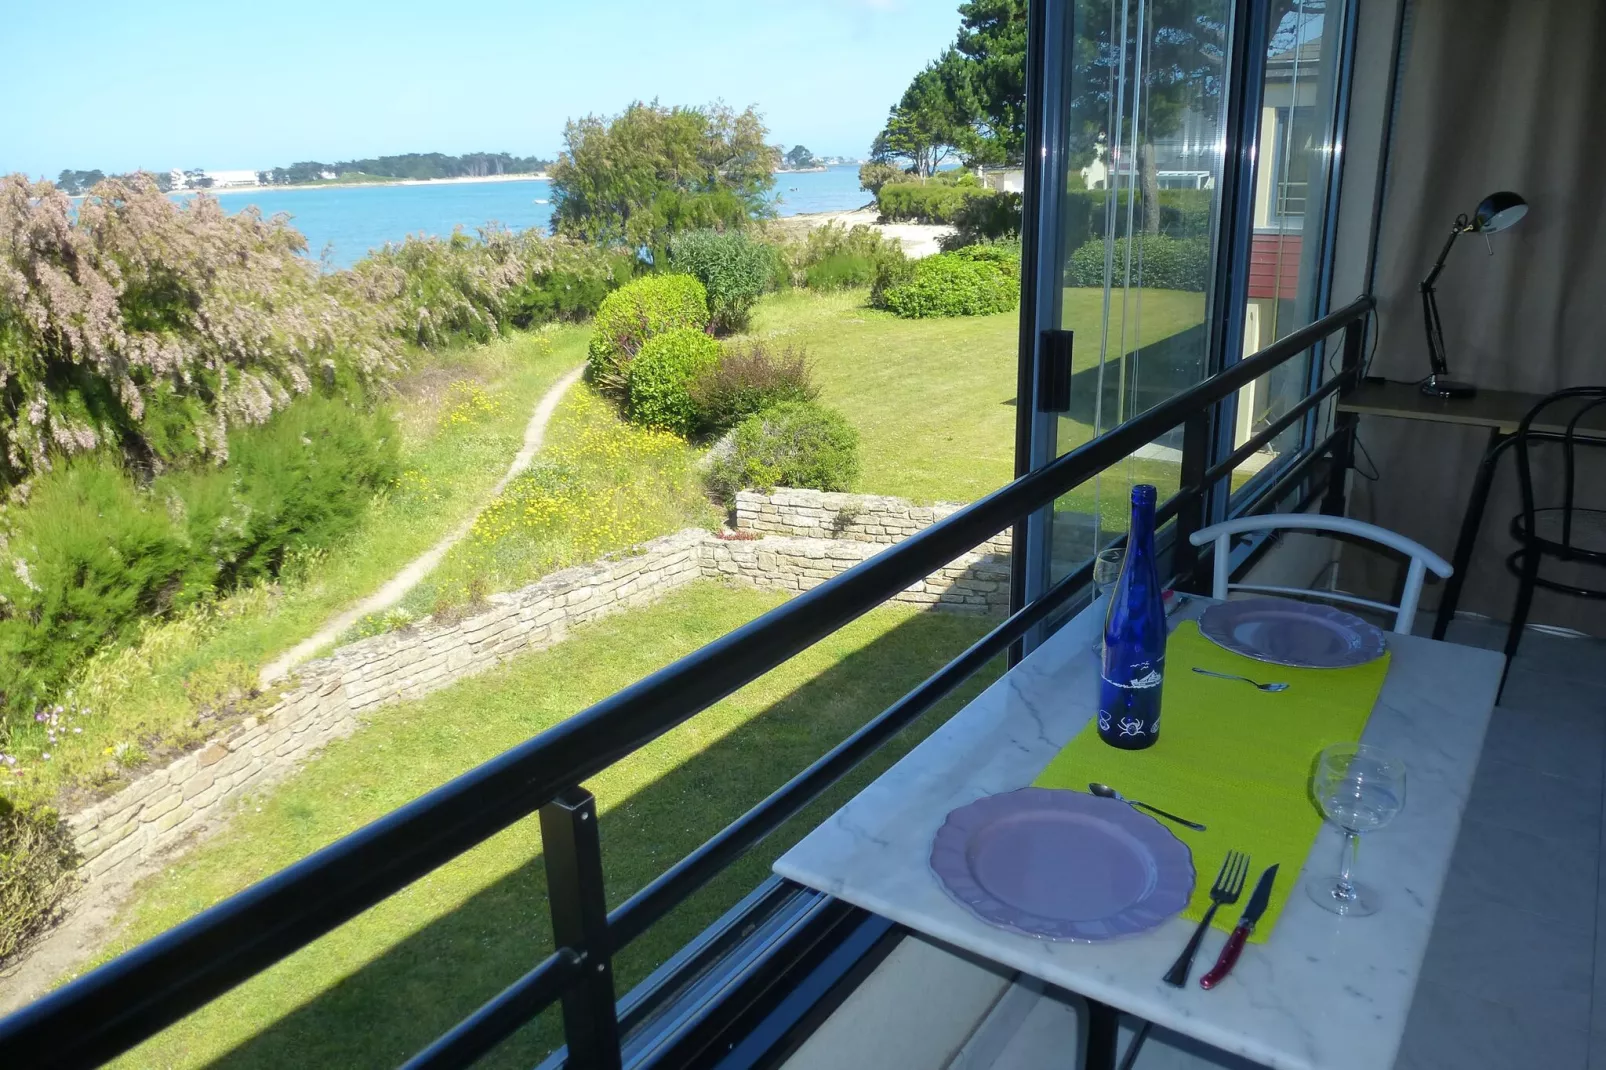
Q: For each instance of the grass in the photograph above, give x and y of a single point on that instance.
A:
(377, 989)
(934, 399)
(599, 484)
(461, 416)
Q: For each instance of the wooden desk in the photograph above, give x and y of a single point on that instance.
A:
(1501, 411)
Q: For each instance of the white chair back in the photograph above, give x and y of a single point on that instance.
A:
(1422, 559)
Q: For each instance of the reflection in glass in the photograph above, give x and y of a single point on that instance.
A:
(1140, 206)
(1296, 140)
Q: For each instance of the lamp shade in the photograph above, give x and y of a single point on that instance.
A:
(1498, 211)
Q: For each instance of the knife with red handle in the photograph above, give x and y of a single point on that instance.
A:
(1240, 933)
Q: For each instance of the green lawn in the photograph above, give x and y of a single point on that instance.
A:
(377, 989)
(461, 415)
(934, 399)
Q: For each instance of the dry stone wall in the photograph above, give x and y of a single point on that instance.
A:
(327, 698)
(975, 583)
(813, 514)
(121, 836)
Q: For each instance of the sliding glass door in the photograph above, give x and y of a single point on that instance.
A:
(1183, 180)
(1126, 246)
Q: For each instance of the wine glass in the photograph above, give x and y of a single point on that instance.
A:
(1106, 572)
(1359, 788)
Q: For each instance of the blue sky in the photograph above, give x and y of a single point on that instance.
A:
(116, 85)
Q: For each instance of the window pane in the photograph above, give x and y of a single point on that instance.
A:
(1141, 204)
(1296, 137)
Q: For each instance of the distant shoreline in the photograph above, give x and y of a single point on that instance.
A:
(534, 176)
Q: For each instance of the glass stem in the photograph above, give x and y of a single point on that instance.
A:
(1348, 853)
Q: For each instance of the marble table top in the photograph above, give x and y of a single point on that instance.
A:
(1324, 993)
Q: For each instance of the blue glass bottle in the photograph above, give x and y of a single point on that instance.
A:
(1134, 639)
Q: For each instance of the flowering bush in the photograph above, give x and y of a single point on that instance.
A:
(573, 285)
(631, 315)
(143, 324)
(450, 288)
(599, 484)
(661, 378)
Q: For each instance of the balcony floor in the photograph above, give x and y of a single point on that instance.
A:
(1515, 974)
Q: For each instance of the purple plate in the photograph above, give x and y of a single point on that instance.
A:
(1062, 865)
(1297, 634)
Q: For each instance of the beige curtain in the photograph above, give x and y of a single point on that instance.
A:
(1494, 95)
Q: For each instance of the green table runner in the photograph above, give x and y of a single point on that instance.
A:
(1233, 758)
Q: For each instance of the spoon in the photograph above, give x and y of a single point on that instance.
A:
(1104, 791)
(1245, 679)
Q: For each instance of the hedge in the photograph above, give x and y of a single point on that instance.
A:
(925, 203)
(1158, 263)
(1184, 213)
(955, 284)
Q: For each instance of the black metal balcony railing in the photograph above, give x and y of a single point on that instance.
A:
(137, 995)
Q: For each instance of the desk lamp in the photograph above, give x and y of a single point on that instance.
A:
(1496, 212)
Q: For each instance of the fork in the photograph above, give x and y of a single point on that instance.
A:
(1225, 892)
(1245, 679)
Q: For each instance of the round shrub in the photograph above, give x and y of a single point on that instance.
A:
(1159, 263)
(794, 444)
(37, 862)
(748, 379)
(734, 269)
(1005, 256)
(661, 378)
(954, 284)
(634, 313)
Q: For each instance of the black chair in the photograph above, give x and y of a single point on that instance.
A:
(1566, 532)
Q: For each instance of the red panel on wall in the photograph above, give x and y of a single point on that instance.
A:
(1274, 265)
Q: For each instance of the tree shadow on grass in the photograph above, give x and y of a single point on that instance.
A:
(425, 983)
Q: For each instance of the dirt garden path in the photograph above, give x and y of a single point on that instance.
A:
(396, 588)
(89, 917)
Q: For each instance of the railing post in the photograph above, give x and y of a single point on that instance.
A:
(1190, 514)
(573, 854)
(1344, 445)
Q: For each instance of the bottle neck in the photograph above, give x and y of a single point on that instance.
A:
(1140, 534)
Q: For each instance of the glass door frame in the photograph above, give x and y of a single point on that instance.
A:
(1050, 41)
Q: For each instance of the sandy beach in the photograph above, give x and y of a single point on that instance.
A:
(918, 239)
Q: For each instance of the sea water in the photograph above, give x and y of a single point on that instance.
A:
(342, 223)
